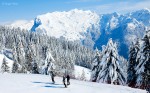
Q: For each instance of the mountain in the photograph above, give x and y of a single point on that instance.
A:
(35, 83)
(91, 29)
(73, 25)
(123, 29)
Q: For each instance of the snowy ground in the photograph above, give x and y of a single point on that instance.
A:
(29, 83)
(79, 71)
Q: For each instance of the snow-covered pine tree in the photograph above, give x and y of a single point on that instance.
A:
(31, 56)
(31, 46)
(48, 61)
(111, 71)
(124, 65)
(67, 64)
(133, 51)
(21, 57)
(4, 67)
(95, 66)
(143, 68)
(15, 67)
(83, 75)
(2, 42)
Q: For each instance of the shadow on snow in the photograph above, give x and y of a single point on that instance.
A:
(50, 85)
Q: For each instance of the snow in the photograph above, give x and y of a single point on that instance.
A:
(1, 59)
(113, 23)
(9, 61)
(131, 26)
(23, 24)
(80, 70)
(142, 15)
(32, 83)
(68, 24)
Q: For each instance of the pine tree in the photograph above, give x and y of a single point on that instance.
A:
(4, 67)
(15, 67)
(21, 57)
(111, 71)
(95, 66)
(134, 49)
(83, 75)
(143, 68)
(28, 46)
(49, 59)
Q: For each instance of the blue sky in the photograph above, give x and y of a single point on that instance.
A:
(11, 10)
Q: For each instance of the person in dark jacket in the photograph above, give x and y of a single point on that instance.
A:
(66, 76)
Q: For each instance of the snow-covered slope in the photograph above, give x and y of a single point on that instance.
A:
(24, 24)
(82, 73)
(92, 29)
(72, 24)
(29, 83)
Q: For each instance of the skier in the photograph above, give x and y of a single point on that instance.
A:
(66, 76)
(34, 67)
(51, 71)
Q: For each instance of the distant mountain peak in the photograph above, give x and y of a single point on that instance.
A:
(72, 24)
(144, 10)
(142, 15)
(116, 14)
(90, 28)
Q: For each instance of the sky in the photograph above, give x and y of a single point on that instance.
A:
(11, 10)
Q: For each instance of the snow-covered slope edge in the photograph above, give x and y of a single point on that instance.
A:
(29, 83)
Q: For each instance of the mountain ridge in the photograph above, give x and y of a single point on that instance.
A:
(91, 29)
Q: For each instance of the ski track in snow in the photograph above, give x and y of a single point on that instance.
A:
(29, 83)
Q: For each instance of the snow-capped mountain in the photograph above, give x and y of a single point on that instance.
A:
(72, 24)
(90, 28)
(142, 16)
(124, 29)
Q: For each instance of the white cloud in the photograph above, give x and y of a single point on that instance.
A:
(121, 7)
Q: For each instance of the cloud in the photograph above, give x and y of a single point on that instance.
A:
(121, 7)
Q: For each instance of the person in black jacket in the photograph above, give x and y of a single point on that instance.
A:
(66, 76)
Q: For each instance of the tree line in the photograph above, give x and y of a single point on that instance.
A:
(30, 48)
(109, 67)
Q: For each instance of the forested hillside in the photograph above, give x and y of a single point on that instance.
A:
(30, 48)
